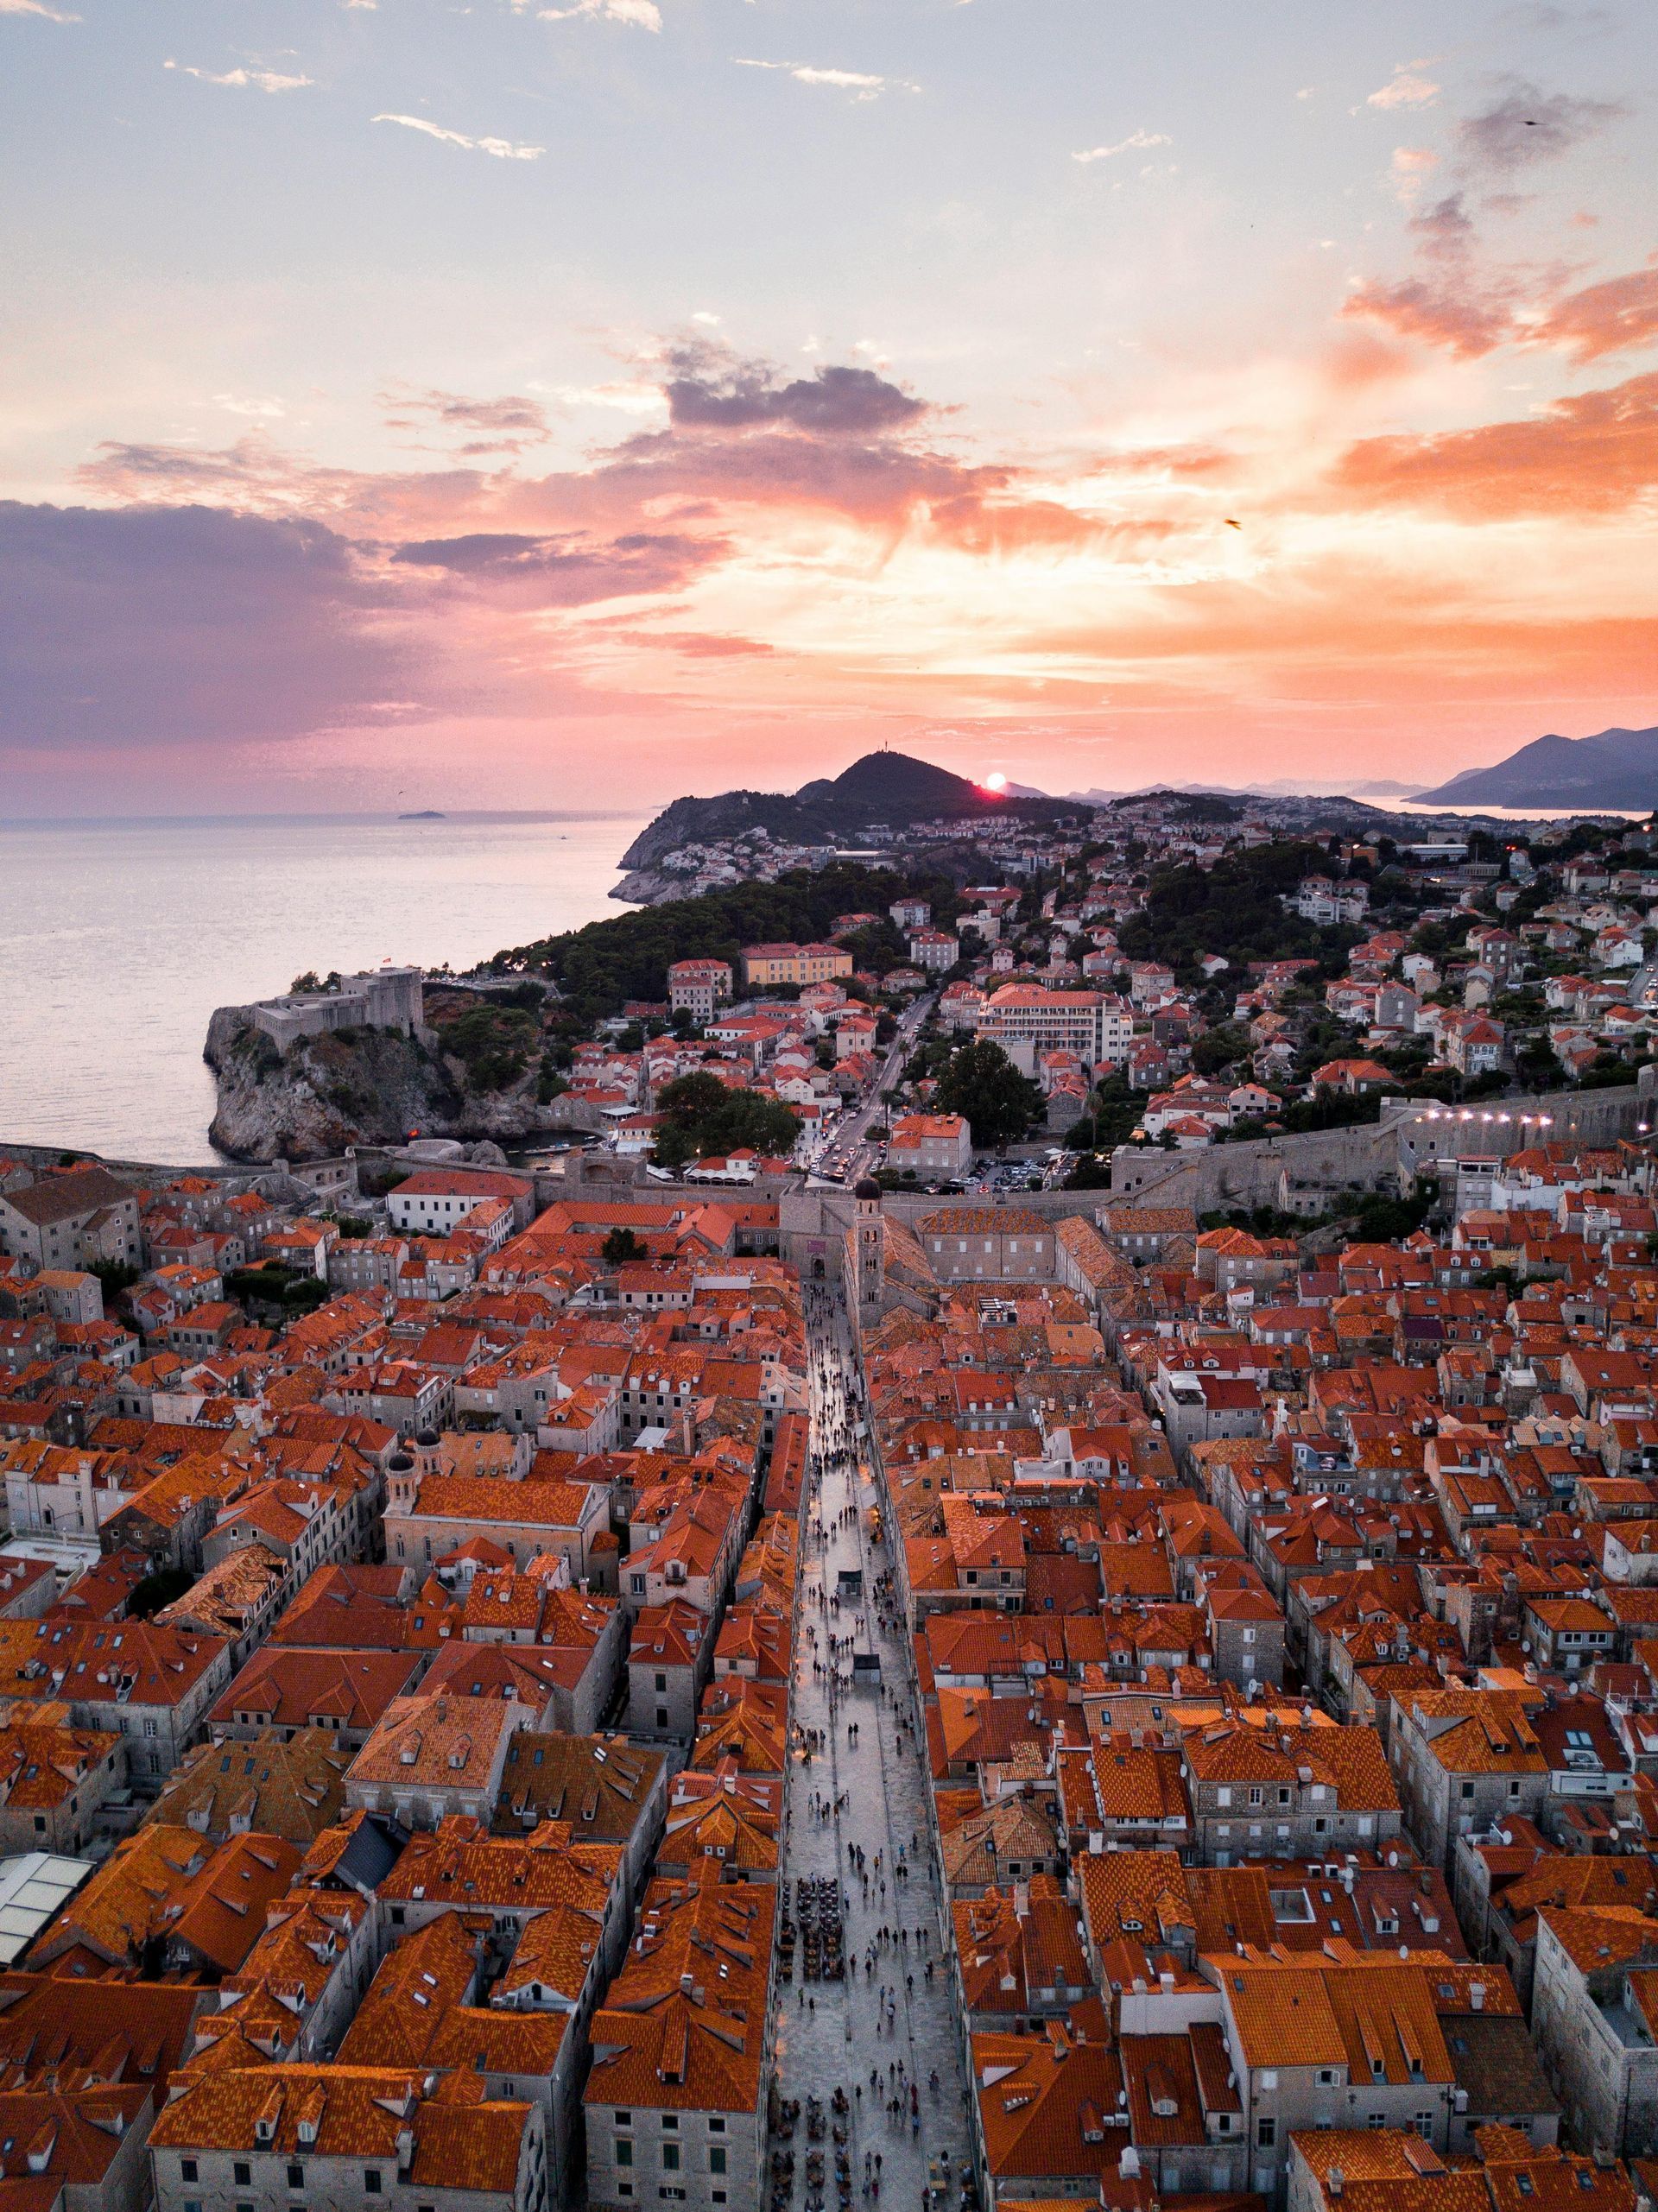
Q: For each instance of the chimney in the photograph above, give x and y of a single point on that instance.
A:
(1332, 2181)
(1476, 1995)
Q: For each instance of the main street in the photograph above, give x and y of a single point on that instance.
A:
(849, 1144)
(856, 1820)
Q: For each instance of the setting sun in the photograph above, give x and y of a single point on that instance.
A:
(996, 780)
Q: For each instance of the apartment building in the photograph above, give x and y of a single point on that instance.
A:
(1025, 1021)
(675, 2102)
(698, 987)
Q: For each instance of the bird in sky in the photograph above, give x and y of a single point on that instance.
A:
(1231, 525)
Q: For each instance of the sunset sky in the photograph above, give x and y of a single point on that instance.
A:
(572, 405)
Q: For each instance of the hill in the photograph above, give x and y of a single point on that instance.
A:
(599, 967)
(881, 787)
(1617, 770)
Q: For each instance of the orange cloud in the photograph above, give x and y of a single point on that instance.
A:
(1593, 454)
(1605, 317)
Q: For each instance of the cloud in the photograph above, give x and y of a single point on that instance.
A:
(1406, 88)
(642, 15)
(1134, 142)
(503, 426)
(1471, 317)
(1603, 318)
(1411, 168)
(37, 8)
(260, 80)
(634, 397)
(186, 625)
(1594, 454)
(858, 83)
(504, 150)
(1547, 15)
(1451, 307)
(1527, 125)
(1463, 323)
(569, 570)
(711, 388)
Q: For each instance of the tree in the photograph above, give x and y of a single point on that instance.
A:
(1219, 1048)
(980, 1083)
(115, 1276)
(620, 1248)
(701, 1114)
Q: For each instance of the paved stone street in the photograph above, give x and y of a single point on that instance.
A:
(886, 2014)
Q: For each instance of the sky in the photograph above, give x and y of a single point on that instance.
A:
(574, 405)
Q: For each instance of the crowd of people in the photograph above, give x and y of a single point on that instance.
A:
(850, 1622)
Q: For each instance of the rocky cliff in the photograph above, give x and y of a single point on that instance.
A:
(370, 1086)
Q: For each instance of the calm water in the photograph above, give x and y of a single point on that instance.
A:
(117, 939)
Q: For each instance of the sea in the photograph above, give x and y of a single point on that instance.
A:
(118, 938)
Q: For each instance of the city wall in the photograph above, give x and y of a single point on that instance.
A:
(1409, 1138)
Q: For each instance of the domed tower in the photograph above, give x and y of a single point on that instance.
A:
(869, 1248)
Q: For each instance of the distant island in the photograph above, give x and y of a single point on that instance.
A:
(426, 814)
(1618, 770)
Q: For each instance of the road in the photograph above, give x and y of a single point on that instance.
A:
(858, 1782)
(851, 1133)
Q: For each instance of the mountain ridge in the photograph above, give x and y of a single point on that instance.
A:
(1616, 768)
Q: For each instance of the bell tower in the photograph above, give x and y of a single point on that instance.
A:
(870, 1244)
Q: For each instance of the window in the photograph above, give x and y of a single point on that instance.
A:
(187, 2169)
(661, 1682)
(372, 2181)
(670, 2120)
(150, 1729)
(717, 2159)
(623, 2151)
(296, 2176)
(241, 2173)
(717, 2124)
(1424, 2125)
(670, 2157)
(1266, 2132)
(1326, 2078)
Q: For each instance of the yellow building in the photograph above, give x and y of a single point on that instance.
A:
(793, 963)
